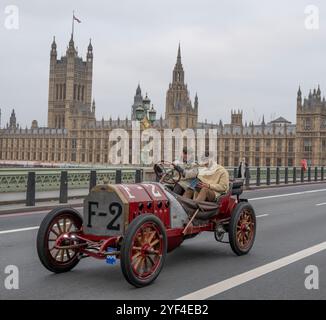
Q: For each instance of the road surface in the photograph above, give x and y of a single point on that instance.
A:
(291, 235)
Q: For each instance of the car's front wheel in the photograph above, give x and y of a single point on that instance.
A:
(143, 250)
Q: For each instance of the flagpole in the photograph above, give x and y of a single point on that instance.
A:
(72, 32)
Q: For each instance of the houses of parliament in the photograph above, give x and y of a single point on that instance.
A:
(73, 134)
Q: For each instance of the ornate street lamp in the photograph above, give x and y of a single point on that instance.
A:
(140, 113)
(152, 114)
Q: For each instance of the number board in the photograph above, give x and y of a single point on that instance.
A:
(103, 214)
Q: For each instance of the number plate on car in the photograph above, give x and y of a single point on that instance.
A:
(103, 214)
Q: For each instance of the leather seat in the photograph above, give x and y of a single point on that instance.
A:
(236, 187)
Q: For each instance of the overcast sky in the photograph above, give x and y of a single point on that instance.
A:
(249, 55)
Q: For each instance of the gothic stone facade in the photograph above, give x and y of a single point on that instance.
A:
(74, 135)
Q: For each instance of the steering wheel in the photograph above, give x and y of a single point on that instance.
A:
(167, 172)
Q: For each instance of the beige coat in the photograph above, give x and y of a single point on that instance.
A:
(216, 176)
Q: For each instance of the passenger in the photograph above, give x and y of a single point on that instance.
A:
(212, 180)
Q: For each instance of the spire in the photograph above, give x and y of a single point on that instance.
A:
(263, 122)
(138, 90)
(12, 120)
(90, 51)
(299, 92)
(53, 49)
(179, 55)
(196, 101)
(71, 47)
(299, 97)
(71, 42)
(90, 47)
(178, 73)
(54, 45)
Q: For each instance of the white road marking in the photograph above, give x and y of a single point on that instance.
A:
(262, 215)
(10, 215)
(321, 204)
(242, 278)
(18, 230)
(287, 194)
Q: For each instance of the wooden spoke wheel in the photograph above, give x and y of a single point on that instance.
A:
(242, 229)
(143, 250)
(51, 235)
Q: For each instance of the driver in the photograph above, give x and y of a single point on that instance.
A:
(189, 171)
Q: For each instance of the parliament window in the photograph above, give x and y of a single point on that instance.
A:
(257, 145)
(73, 143)
(323, 145)
(268, 143)
(307, 145)
(307, 124)
(236, 145)
(227, 145)
(247, 146)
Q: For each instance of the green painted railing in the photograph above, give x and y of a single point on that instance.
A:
(15, 180)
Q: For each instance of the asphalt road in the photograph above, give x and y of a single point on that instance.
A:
(291, 235)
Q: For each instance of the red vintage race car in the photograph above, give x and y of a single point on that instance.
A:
(140, 223)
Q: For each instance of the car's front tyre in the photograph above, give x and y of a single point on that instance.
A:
(143, 250)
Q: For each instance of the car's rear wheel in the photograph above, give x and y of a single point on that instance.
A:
(57, 223)
(242, 228)
(143, 250)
